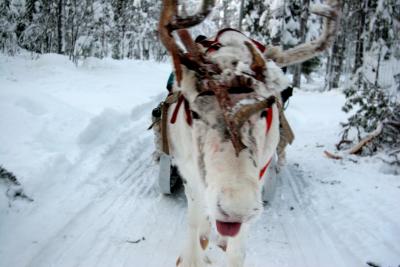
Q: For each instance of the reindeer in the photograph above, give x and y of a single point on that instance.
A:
(221, 123)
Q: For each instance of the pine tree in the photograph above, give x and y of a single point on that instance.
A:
(376, 100)
(8, 38)
(119, 29)
(102, 28)
(304, 15)
(255, 20)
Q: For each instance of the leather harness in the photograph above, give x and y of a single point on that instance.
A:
(177, 97)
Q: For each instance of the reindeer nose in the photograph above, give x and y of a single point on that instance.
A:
(237, 205)
(223, 212)
(228, 216)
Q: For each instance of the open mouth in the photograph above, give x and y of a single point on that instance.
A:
(228, 228)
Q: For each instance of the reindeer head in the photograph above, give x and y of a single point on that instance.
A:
(232, 89)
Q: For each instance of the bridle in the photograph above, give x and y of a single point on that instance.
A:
(179, 99)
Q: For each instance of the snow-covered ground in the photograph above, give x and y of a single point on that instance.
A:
(76, 138)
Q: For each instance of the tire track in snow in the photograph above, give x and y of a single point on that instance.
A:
(312, 246)
(354, 228)
(105, 199)
(93, 237)
(324, 251)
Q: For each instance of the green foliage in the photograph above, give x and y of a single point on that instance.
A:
(254, 20)
(8, 27)
(370, 99)
(372, 106)
(311, 65)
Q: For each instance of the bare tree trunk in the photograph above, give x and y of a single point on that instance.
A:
(225, 22)
(334, 75)
(338, 68)
(241, 13)
(59, 27)
(359, 53)
(303, 36)
(30, 7)
(336, 58)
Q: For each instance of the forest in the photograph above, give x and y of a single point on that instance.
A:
(363, 62)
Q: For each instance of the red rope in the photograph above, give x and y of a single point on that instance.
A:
(187, 111)
(264, 169)
(269, 124)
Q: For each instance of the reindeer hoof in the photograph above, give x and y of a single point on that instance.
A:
(201, 261)
(223, 247)
(204, 242)
(222, 243)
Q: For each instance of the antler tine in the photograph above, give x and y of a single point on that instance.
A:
(169, 22)
(331, 14)
(182, 23)
(258, 63)
(189, 44)
(168, 12)
(190, 21)
(247, 110)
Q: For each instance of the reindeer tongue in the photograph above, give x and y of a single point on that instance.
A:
(228, 229)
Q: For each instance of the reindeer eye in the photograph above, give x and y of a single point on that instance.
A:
(264, 114)
(195, 115)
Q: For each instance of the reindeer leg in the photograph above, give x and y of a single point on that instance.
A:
(198, 231)
(236, 251)
(204, 231)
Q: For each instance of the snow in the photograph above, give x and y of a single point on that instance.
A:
(76, 139)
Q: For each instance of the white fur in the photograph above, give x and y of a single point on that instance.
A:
(226, 182)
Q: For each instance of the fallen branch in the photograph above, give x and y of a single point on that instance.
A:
(332, 156)
(394, 152)
(343, 141)
(356, 149)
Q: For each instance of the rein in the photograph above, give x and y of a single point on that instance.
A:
(171, 98)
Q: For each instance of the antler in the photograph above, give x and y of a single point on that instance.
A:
(331, 13)
(258, 63)
(169, 22)
(196, 61)
(247, 110)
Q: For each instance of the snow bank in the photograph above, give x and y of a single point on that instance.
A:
(51, 109)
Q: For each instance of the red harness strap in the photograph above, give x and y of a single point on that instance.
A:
(264, 169)
(269, 123)
(187, 111)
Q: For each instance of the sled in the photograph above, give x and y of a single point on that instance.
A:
(270, 182)
(169, 180)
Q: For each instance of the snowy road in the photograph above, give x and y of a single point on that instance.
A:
(98, 205)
